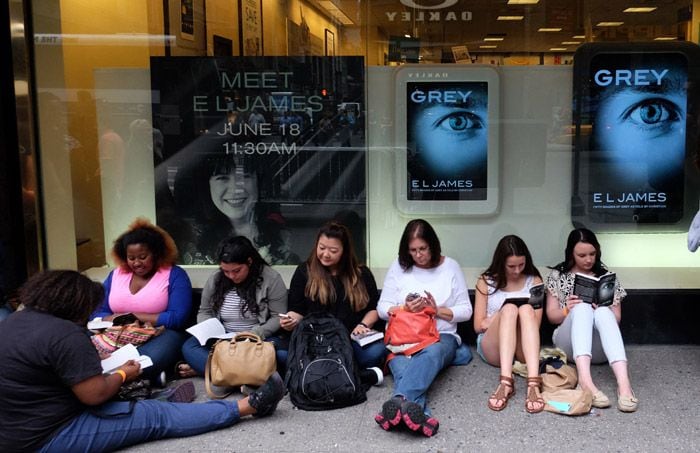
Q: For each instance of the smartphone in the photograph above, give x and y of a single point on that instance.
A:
(634, 137)
(412, 296)
(284, 315)
(126, 318)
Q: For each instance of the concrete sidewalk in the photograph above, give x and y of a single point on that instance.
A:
(665, 378)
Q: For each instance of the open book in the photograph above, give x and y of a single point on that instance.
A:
(211, 328)
(595, 290)
(536, 298)
(368, 337)
(122, 355)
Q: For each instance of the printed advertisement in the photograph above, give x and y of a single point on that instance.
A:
(447, 132)
(631, 137)
(265, 147)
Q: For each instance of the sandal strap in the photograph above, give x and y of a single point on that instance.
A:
(507, 380)
(534, 381)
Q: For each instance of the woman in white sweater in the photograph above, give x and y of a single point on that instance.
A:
(421, 268)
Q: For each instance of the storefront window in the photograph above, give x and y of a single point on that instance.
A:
(267, 118)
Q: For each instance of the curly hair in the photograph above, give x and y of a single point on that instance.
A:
(239, 250)
(158, 241)
(62, 293)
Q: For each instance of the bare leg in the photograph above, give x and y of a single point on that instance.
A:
(244, 408)
(583, 367)
(624, 387)
(529, 323)
(530, 338)
(490, 344)
(507, 338)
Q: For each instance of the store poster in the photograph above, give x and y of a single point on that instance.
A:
(265, 147)
(633, 137)
(447, 140)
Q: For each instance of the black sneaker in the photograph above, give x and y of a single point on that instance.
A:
(371, 376)
(390, 416)
(181, 393)
(416, 420)
(264, 400)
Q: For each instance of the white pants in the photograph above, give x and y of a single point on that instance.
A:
(595, 333)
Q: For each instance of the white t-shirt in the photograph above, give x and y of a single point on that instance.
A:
(496, 299)
(445, 282)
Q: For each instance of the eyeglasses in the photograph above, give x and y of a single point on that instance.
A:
(421, 250)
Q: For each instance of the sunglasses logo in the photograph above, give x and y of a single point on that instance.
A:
(413, 4)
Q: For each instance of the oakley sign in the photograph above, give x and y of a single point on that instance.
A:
(428, 16)
(445, 4)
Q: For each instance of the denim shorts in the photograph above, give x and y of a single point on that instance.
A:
(478, 347)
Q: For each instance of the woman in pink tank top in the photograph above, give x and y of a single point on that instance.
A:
(148, 284)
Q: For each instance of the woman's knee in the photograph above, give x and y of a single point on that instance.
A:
(509, 311)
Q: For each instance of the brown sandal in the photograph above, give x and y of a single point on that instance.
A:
(500, 394)
(534, 398)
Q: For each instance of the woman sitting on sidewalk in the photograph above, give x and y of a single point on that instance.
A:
(421, 268)
(245, 294)
(333, 281)
(588, 333)
(148, 284)
(55, 397)
(507, 330)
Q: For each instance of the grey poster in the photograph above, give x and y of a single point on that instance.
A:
(447, 140)
(265, 147)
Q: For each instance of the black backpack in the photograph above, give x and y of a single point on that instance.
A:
(321, 370)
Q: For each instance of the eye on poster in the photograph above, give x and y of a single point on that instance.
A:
(447, 140)
(268, 148)
(634, 137)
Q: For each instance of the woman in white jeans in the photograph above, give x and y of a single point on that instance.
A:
(586, 332)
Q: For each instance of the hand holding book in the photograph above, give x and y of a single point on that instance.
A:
(595, 290)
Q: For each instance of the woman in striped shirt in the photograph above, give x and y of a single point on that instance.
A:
(245, 294)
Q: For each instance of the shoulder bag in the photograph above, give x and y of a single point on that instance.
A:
(244, 360)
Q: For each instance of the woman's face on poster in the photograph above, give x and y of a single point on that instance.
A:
(452, 136)
(234, 193)
(643, 127)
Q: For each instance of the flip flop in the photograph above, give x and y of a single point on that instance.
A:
(183, 370)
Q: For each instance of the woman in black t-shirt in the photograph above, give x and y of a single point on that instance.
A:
(55, 396)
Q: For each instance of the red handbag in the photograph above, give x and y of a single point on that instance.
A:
(409, 332)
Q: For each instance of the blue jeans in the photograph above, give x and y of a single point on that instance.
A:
(371, 355)
(196, 355)
(164, 350)
(117, 425)
(414, 374)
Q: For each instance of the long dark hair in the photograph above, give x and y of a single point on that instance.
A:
(239, 250)
(64, 294)
(587, 237)
(319, 286)
(420, 229)
(508, 246)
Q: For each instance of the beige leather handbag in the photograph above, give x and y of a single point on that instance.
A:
(244, 360)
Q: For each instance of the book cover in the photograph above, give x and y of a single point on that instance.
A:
(595, 290)
(368, 337)
(536, 298)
